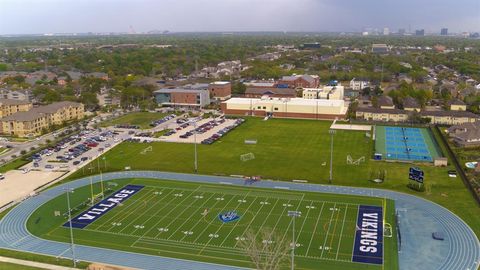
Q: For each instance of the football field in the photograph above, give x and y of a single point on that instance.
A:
(208, 223)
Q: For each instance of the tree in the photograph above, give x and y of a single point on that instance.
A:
(266, 249)
(239, 88)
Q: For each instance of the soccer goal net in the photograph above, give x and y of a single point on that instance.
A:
(247, 157)
(146, 150)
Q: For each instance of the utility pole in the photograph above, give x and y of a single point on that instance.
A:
(332, 132)
(195, 164)
(70, 224)
(293, 214)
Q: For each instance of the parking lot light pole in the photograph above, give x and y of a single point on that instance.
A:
(293, 214)
(68, 190)
(195, 164)
(332, 132)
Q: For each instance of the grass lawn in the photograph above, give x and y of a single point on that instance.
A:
(142, 119)
(15, 164)
(295, 149)
(169, 218)
(11, 266)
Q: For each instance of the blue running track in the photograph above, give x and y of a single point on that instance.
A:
(418, 219)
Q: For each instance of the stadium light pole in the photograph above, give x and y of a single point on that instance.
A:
(332, 132)
(195, 163)
(68, 190)
(293, 214)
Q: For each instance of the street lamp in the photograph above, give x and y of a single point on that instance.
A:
(293, 214)
(195, 163)
(331, 132)
(68, 190)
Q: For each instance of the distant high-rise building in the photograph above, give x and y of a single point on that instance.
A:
(444, 32)
(386, 31)
(420, 32)
(401, 31)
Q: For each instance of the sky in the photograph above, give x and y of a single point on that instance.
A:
(81, 16)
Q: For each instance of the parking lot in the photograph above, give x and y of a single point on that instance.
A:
(207, 130)
(74, 151)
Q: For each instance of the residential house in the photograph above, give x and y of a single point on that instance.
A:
(359, 84)
(450, 117)
(385, 102)
(381, 115)
(465, 135)
(98, 75)
(457, 105)
(411, 104)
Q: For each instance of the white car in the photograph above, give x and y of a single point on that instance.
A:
(26, 170)
(2, 176)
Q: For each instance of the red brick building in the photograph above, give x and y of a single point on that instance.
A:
(220, 90)
(300, 81)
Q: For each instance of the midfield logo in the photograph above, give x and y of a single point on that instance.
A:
(228, 216)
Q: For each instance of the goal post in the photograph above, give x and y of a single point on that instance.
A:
(247, 157)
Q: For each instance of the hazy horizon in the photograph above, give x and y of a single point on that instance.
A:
(82, 16)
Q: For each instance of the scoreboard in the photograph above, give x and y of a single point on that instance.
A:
(416, 174)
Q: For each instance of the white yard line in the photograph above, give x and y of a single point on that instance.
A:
(206, 227)
(120, 213)
(177, 216)
(250, 223)
(315, 229)
(221, 244)
(186, 220)
(341, 231)
(223, 223)
(166, 215)
(328, 230)
(354, 236)
(304, 221)
(200, 219)
(143, 215)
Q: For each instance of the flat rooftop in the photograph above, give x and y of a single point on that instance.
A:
(290, 101)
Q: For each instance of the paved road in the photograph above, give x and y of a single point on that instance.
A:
(418, 219)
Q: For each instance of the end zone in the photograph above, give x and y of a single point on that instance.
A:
(368, 247)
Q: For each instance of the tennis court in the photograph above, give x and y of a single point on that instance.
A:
(405, 143)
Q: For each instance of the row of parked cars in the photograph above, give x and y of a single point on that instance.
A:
(203, 128)
(163, 120)
(127, 126)
(223, 131)
(58, 147)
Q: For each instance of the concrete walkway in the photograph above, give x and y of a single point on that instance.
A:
(35, 264)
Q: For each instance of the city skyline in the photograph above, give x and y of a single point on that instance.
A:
(62, 16)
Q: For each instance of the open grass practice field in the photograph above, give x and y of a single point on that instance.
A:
(290, 149)
(141, 119)
(181, 220)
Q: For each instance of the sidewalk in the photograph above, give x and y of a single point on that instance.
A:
(35, 264)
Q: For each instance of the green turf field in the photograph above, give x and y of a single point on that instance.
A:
(167, 218)
(142, 119)
(289, 149)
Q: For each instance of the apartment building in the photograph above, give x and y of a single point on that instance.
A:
(11, 106)
(32, 122)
